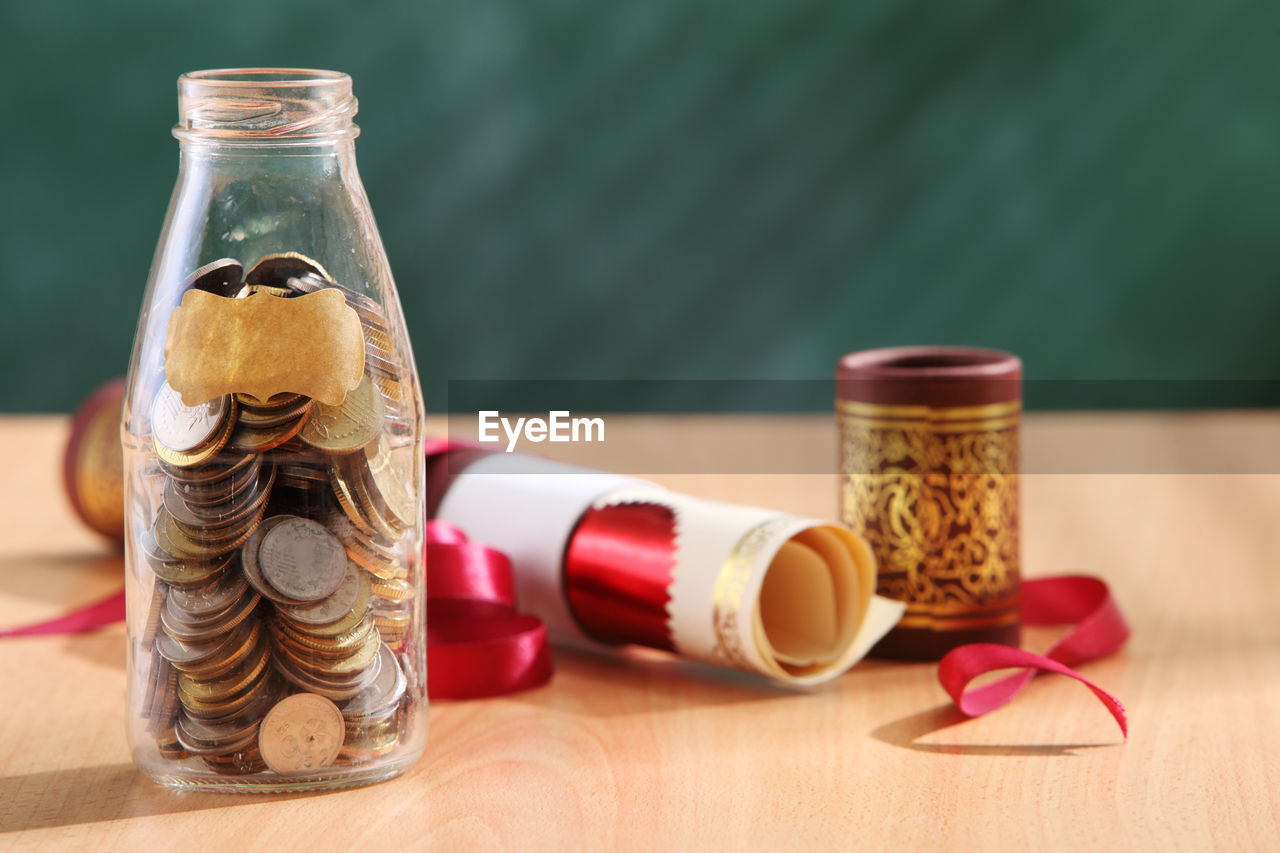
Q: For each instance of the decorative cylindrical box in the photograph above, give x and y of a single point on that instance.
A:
(929, 460)
(609, 560)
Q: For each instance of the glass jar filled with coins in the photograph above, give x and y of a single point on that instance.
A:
(273, 452)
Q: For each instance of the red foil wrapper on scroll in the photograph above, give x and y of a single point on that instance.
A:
(929, 463)
(610, 560)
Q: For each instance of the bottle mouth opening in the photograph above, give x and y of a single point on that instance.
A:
(277, 106)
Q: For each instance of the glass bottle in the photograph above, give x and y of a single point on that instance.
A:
(274, 568)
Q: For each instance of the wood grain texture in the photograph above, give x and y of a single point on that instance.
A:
(642, 751)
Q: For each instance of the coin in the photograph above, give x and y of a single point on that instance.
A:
(264, 418)
(395, 589)
(233, 654)
(201, 455)
(373, 507)
(276, 269)
(383, 694)
(302, 559)
(249, 561)
(182, 654)
(187, 630)
(338, 691)
(392, 482)
(349, 426)
(210, 598)
(183, 428)
(253, 440)
(276, 401)
(368, 309)
(218, 689)
(215, 471)
(353, 587)
(302, 732)
(220, 277)
(343, 490)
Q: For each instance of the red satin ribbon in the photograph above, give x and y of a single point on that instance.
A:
(477, 644)
(1100, 629)
(105, 612)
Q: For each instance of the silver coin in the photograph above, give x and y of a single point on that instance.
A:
(209, 599)
(182, 653)
(302, 559)
(329, 610)
(180, 427)
(384, 693)
(252, 568)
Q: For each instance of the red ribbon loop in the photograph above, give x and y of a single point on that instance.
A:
(477, 644)
(108, 611)
(1100, 629)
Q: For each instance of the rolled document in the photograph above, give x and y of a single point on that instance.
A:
(613, 560)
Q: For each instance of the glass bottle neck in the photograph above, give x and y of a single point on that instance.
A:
(195, 150)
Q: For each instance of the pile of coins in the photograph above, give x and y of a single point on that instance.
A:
(278, 545)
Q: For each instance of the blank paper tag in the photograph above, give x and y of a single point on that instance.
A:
(264, 345)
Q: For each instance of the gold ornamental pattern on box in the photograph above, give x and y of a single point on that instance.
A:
(935, 492)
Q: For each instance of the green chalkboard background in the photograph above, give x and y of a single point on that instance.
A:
(695, 188)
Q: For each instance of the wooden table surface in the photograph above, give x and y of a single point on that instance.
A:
(638, 753)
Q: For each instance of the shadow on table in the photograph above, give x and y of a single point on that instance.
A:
(109, 792)
(907, 730)
(642, 681)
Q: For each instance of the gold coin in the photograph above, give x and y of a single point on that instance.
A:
(347, 427)
(225, 686)
(276, 401)
(347, 499)
(302, 732)
(392, 482)
(250, 440)
(235, 655)
(394, 589)
(372, 506)
(229, 709)
(173, 538)
(265, 418)
(314, 646)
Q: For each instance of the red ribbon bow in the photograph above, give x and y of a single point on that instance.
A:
(1099, 630)
(477, 644)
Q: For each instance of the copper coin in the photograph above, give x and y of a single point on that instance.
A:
(302, 732)
(302, 560)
